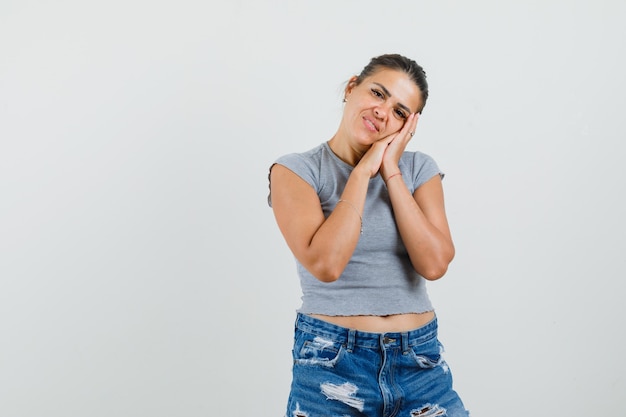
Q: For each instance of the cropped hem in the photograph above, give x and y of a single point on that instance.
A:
(391, 313)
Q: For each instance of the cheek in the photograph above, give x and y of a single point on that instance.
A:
(395, 125)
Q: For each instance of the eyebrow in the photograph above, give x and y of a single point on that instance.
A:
(402, 106)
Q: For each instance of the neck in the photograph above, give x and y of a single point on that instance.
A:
(345, 151)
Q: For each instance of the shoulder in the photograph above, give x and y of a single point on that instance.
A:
(419, 167)
(417, 158)
(308, 158)
(302, 163)
(305, 165)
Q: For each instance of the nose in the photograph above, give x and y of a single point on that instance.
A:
(380, 112)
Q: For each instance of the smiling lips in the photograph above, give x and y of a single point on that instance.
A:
(370, 125)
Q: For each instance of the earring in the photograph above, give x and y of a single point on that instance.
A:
(345, 100)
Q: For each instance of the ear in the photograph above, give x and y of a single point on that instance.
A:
(351, 84)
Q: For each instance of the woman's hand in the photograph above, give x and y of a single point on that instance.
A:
(372, 160)
(383, 156)
(397, 143)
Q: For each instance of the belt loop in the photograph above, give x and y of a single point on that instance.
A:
(405, 342)
(351, 340)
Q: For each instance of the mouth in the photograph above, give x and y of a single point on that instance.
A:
(370, 125)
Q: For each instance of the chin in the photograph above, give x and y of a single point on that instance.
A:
(365, 143)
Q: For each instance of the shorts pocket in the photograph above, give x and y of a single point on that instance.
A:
(311, 349)
(427, 355)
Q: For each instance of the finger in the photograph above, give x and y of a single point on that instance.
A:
(408, 125)
(389, 138)
(413, 124)
(392, 138)
(415, 120)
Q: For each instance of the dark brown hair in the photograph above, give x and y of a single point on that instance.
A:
(399, 63)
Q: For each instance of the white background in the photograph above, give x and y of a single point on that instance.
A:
(142, 273)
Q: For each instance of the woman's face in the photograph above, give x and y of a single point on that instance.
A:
(379, 105)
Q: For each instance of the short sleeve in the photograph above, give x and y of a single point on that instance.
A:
(299, 165)
(424, 168)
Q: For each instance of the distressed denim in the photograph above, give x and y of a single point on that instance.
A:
(339, 372)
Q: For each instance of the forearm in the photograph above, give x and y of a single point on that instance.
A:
(334, 242)
(430, 249)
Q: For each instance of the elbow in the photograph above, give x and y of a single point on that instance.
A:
(434, 273)
(327, 278)
(327, 275)
(436, 269)
(326, 272)
(323, 265)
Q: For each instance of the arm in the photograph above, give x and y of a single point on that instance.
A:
(323, 246)
(423, 225)
(421, 217)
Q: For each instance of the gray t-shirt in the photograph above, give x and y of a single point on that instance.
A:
(379, 279)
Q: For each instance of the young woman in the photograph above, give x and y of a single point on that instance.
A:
(366, 222)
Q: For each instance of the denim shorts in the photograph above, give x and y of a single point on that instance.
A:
(339, 372)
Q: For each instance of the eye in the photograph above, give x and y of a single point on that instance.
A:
(377, 93)
(401, 114)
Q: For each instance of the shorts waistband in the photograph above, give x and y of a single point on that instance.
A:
(351, 337)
